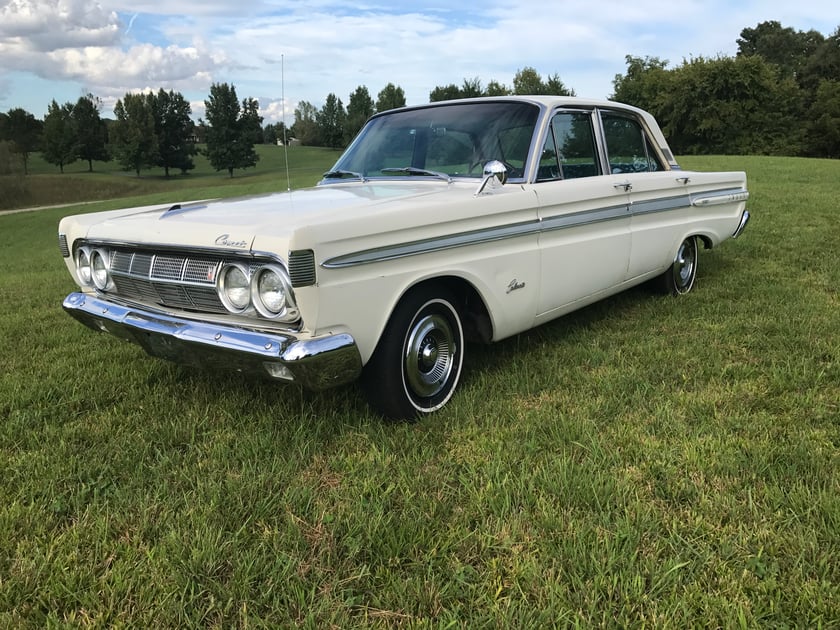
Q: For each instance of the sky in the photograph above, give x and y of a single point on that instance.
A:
(282, 52)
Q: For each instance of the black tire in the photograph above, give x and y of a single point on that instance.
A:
(679, 278)
(417, 362)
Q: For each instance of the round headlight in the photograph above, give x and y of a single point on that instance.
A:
(271, 291)
(235, 288)
(99, 270)
(83, 266)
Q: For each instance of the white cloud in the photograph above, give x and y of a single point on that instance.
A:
(332, 47)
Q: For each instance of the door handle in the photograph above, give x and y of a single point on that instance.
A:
(626, 186)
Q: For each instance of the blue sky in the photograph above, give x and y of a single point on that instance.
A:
(63, 49)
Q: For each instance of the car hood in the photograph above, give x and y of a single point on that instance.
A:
(239, 223)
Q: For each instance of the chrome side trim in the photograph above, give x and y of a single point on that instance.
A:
(720, 197)
(586, 217)
(315, 363)
(556, 222)
(667, 204)
(428, 245)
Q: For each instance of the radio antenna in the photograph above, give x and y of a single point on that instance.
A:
(283, 119)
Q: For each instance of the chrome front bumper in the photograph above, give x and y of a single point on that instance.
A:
(316, 363)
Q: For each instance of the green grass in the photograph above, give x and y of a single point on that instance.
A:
(643, 462)
(46, 186)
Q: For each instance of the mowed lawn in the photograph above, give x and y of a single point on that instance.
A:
(645, 462)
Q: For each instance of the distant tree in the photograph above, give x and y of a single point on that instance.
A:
(445, 93)
(91, 136)
(331, 120)
(231, 131)
(305, 127)
(786, 48)
(732, 105)
(4, 126)
(823, 135)
(554, 86)
(528, 81)
(645, 84)
(134, 140)
(58, 142)
(359, 109)
(24, 132)
(390, 97)
(823, 64)
(274, 132)
(174, 131)
(494, 88)
(251, 121)
(471, 88)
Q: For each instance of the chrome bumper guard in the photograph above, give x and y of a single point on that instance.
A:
(745, 218)
(316, 363)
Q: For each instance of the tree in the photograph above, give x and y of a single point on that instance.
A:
(494, 88)
(174, 131)
(272, 133)
(391, 97)
(90, 131)
(305, 127)
(331, 120)
(824, 125)
(784, 47)
(251, 121)
(646, 83)
(23, 130)
(359, 109)
(445, 93)
(230, 135)
(823, 64)
(528, 81)
(733, 105)
(134, 139)
(58, 143)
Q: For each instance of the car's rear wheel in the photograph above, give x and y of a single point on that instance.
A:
(417, 363)
(679, 278)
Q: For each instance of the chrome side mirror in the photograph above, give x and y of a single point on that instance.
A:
(494, 174)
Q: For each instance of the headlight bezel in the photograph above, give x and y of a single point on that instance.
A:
(240, 306)
(100, 278)
(83, 271)
(283, 308)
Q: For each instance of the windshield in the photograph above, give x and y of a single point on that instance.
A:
(445, 141)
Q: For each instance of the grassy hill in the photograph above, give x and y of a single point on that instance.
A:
(46, 186)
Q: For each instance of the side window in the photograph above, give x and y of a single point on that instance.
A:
(628, 146)
(569, 149)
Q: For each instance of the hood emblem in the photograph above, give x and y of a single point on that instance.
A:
(225, 241)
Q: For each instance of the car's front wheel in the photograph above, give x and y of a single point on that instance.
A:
(679, 278)
(417, 363)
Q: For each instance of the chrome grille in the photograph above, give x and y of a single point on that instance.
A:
(168, 279)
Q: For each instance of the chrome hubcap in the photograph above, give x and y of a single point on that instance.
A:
(430, 355)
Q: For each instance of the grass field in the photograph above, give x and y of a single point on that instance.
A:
(645, 462)
(46, 186)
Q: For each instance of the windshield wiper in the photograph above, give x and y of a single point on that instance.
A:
(342, 174)
(413, 170)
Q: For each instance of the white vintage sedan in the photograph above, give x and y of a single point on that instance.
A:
(461, 221)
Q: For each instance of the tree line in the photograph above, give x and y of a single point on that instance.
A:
(149, 129)
(779, 95)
